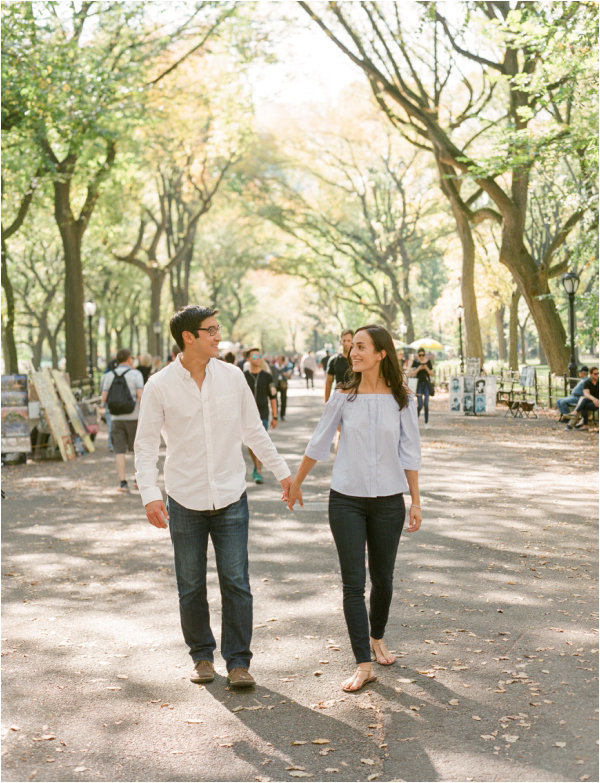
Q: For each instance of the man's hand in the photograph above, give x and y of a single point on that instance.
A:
(157, 513)
(273, 423)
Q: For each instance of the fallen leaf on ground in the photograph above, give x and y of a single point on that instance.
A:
(298, 742)
(320, 742)
(368, 762)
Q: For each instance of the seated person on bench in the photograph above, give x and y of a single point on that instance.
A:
(576, 394)
(589, 402)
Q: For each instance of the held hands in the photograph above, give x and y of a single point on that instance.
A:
(414, 519)
(157, 513)
(285, 487)
(294, 494)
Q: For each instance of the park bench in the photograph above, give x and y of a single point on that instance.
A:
(516, 392)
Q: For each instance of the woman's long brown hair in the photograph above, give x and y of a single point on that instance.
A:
(390, 367)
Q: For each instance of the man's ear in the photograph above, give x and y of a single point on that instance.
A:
(187, 337)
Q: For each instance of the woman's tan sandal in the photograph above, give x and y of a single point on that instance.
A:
(382, 655)
(360, 678)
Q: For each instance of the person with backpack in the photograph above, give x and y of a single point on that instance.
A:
(121, 391)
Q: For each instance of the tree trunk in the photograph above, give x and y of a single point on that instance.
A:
(513, 331)
(499, 314)
(536, 292)
(36, 349)
(11, 362)
(157, 278)
(71, 234)
(523, 343)
(473, 346)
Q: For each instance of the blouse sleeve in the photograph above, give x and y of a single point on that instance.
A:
(320, 443)
(409, 447)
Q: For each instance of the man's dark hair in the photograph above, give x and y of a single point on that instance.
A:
(122, 355)
(345, 332)
(189, 319)
(584, 368)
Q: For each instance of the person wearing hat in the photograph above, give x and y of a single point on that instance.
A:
(563, 404)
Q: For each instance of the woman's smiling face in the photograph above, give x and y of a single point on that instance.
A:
(363, 355)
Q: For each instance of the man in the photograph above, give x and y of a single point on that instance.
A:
(339, 364)
(587, 403)
(285, 369)
(123, 426)
(576, 394)
(308, 366)
(205, 410)
(264, 392)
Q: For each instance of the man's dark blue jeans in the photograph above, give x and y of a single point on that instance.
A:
(228, 530)
(376, 523)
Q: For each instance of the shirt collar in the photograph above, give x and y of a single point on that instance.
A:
(183, 373)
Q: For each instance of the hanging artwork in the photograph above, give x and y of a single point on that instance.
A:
(15, 420)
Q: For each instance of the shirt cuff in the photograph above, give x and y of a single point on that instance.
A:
(150, 494)
(282, 472)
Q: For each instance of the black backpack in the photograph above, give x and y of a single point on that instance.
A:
(119, 400)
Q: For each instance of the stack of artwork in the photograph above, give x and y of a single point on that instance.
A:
(50, 395)
(472, 395)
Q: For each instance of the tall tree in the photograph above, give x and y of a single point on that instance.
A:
(74, 79)
(525, 59)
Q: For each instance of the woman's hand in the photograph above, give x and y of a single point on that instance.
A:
(294, 494)
(414, 519)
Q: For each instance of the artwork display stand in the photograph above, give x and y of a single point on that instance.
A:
(472, 394)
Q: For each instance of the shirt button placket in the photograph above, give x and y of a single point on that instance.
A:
(210, 461)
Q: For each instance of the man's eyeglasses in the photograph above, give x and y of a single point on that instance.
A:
(212, 330)
(256, 356)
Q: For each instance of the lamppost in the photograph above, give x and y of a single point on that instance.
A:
(157, 329)
(570, 282)
(89, 308)
(460, 310)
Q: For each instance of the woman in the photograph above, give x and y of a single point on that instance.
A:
(423, 370)
(378, 460)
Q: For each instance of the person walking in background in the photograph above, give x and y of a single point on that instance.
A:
(422, 368)
(378, 460)
(123, 425)
(264, 392)
(285, 369)
(145, 366)
(308, 368)
(338, 364)
(563, 403)
(206, 411)
(106, 415)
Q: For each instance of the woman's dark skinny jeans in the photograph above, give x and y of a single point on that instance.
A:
(376, 523)
(423, 398)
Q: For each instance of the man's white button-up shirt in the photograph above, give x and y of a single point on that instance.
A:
(204, 430)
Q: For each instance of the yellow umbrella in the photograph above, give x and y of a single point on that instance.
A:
(428, 343)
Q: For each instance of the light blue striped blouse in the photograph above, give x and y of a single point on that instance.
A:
(377, 444)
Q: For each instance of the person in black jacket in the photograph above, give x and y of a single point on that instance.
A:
(423, 370)
(261, 384)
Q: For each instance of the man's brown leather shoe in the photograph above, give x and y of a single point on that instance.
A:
(240, 678)
(203, 671)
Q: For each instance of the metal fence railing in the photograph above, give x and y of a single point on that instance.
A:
(544, 391)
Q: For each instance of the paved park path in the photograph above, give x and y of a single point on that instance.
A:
(494, 623)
